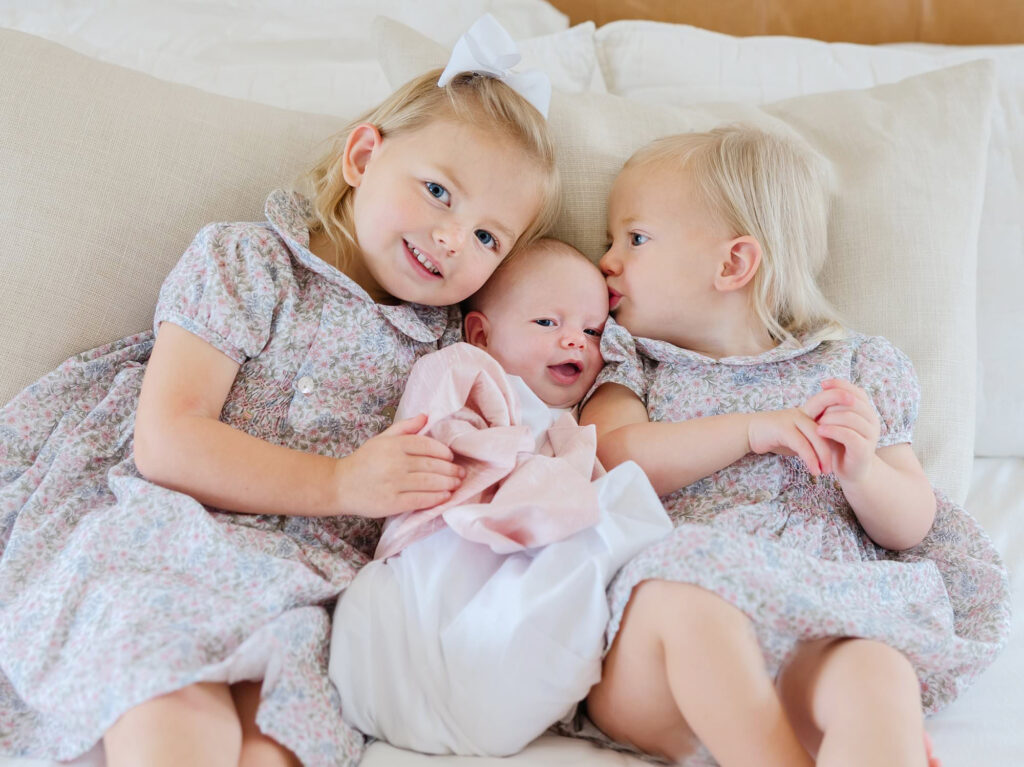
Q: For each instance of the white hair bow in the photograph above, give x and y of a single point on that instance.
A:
(486, 48)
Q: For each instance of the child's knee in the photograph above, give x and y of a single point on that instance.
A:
(831, 677)
(195, 724)
(668, 606)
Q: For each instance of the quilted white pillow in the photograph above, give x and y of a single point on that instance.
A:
(677, 64)
(909, 161)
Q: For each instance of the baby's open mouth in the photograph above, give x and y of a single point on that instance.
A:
(567, 372)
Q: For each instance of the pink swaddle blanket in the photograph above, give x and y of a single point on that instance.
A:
(524, 487)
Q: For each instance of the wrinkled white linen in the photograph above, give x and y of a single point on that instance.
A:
(453, 647)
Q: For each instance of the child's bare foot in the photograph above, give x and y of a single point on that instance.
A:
(929, 748)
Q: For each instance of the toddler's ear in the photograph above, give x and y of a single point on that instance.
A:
(360, 145)
(477, 329)
(741, 265)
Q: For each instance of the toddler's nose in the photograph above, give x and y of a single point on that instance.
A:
(609, 264)
(451, 237)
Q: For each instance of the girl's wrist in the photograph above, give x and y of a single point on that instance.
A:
(337, 488)
(863, 479)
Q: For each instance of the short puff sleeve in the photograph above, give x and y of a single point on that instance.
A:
(226, 288)
(888, 377)
(623, 364)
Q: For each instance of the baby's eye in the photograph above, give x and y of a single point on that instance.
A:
(592, 332)
(438, 191)
(636, 239)
(544, 323)
(486, 239)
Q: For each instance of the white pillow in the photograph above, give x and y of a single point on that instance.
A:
(295, 54)
(677, 64)
(909, 159)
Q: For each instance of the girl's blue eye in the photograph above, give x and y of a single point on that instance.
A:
(438, 191)
(636, 239)
(545, 323)
(486, 239)
(592, 332)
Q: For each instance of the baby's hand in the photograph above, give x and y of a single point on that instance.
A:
(851, 428)
(397, 471)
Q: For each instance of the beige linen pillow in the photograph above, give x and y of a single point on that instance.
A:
(908, 160)
(107, 176)
(679, 65)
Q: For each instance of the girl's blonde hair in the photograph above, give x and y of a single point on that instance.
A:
(775, 189)
(473, 99)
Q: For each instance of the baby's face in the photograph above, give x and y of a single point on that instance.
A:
(547, 328)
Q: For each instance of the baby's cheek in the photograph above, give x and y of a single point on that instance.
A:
(588, 378)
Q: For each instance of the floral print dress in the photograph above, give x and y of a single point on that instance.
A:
(784, 546)
(114, 590)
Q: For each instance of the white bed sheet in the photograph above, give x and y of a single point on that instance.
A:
(981, 728)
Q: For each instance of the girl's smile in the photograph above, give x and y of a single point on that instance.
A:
(422, 263)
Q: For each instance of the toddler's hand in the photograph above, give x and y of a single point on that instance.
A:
(789, 432)
(397, 471)
(851, 428)
(794, 431)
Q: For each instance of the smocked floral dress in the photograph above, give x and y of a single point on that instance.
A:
(114, 590)
(784, 546)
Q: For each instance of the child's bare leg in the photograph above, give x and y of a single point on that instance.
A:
(684, 658)
(258, 750)
(855, 702)
(195, 725)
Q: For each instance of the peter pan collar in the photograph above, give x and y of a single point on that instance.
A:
(663, 351)
(288, 213)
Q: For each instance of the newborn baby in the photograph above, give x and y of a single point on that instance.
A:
(481, 623)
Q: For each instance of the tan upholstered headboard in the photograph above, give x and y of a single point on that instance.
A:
(959, 22)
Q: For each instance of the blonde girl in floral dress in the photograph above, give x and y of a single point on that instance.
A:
(817, 596)
(179, 508)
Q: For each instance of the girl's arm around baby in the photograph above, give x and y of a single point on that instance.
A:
(180, 443)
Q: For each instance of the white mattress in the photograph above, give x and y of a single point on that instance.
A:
(983, 727)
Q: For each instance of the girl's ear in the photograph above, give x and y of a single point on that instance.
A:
(362, 142)
(741, 265)
(477, 329)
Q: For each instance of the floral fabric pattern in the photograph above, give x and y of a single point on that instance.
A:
(114, 590)
(784, 546)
